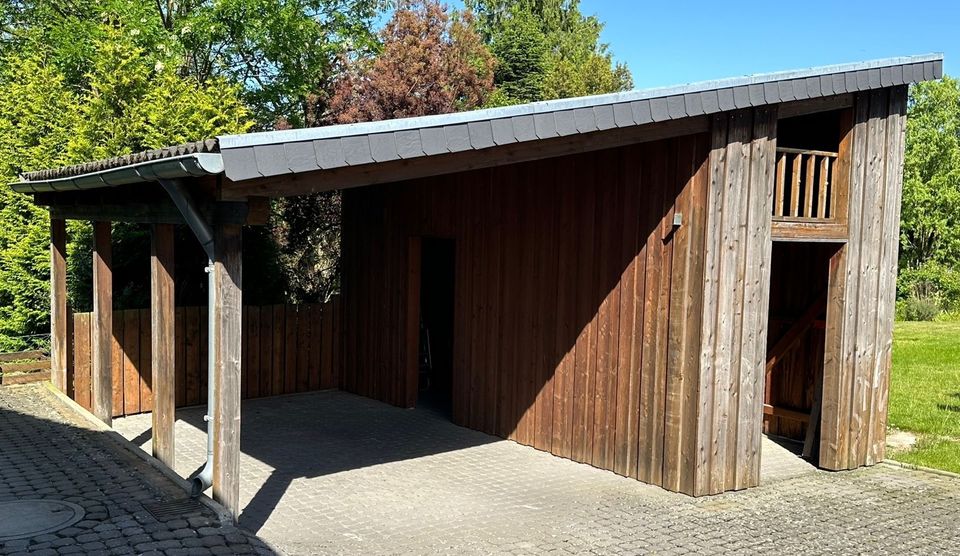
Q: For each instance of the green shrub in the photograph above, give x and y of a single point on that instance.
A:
(951, 315)
(915, 308)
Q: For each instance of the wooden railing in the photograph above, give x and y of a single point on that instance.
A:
(804, 184)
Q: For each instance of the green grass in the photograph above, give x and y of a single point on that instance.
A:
(930, 451)
(925, 392)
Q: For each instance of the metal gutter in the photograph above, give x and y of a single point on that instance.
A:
(178, 167)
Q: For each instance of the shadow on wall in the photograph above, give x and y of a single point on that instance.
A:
(567, 273)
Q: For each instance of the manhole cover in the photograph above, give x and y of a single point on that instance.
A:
(27, 518)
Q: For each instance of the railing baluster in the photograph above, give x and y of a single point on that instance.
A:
(795, 186)
(824, 184)
(778, 200)
(808, 189)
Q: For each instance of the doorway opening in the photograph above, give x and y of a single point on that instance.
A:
(435, 351)
(793, 377)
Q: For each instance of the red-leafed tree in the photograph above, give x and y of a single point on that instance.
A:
(432, 62)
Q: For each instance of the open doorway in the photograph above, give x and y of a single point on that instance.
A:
(793, 379)
(435, 359)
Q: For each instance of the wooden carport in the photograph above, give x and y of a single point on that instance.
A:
(614, 282)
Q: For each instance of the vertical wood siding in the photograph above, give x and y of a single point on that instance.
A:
(576, 300)
(863, 283)
(309, 354)
(735, 293)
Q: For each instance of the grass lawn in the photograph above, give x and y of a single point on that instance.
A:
(925, 392)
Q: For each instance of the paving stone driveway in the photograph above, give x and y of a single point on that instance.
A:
(334, 473)
(47, 451)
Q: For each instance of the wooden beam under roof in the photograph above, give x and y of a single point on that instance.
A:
(254, 212)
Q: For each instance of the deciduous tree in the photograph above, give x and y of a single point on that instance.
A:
(571, 62)
(129, 97)
(430, 63)
(930, 223)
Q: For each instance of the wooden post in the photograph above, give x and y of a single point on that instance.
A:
(227, 312)
(58, 303)
(162, 342)
(102, 323)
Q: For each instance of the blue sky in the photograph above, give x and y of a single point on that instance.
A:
(674, 42)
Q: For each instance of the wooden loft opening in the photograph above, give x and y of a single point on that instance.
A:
(810, 190)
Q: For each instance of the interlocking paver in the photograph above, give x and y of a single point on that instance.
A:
(330, 472)
(48, 451)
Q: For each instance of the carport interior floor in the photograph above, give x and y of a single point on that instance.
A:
(330, 472)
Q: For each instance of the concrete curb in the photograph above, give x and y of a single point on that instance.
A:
(901, 465)
(223, 515)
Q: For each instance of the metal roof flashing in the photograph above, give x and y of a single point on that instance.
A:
(438, 120)
(273, 153)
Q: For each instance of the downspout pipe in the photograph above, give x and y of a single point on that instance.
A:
(201, 229)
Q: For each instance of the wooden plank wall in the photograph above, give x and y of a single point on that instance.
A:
(306, 357)
(863, 286)
(576, 307)
(735, 300)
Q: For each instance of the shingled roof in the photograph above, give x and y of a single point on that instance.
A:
(273, 153)
(207, 146)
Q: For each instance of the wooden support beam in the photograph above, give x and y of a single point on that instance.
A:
(58, 304)
(255, 212)
(808, 230)
(227, 314)
(102, 332)
(163, 342)
(815, 105)
(792, 414)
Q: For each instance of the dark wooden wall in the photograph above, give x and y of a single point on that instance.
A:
(575, 305)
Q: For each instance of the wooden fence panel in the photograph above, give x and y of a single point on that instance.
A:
(287, 349)
(81, 360)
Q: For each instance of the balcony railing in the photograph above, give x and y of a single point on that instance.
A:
(804, 184)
